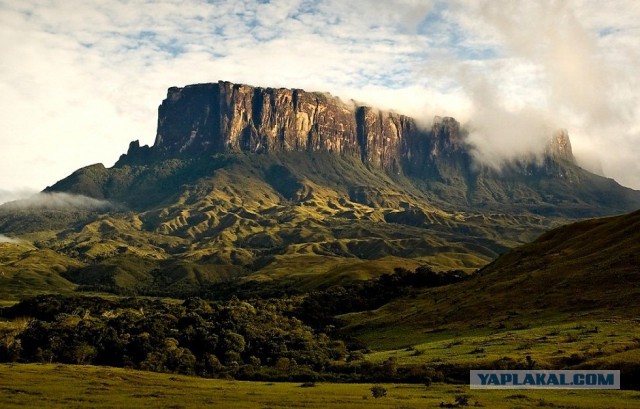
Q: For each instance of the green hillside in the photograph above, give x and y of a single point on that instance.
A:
(589, 268)
(308, 219)
(568, 299)
(26, 270)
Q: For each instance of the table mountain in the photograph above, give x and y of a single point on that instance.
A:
(301, 189)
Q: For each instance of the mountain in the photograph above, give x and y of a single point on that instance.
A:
(300, 190)
(232, 119)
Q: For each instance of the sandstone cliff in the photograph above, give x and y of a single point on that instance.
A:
(559, 146)
(224, 118)
(314, 136)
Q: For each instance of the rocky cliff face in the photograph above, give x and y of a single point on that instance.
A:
(559, 146)
(224, 118)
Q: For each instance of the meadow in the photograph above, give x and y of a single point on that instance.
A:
(70, 386)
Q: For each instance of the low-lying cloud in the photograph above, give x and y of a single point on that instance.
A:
(5, 239)
(15, 194)
(58, 201)
(551, 65)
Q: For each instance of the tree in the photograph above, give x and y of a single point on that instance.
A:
(283, 364)
(390, 366)
(83, 353)
(427, 382)
(233, 342)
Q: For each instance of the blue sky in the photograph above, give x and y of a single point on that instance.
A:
(79, 80)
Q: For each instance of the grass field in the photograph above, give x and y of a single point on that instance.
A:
(587, 342)
(64, 386)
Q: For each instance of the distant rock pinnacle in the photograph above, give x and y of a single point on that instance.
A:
(559, 146)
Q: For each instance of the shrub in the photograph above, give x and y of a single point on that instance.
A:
(378, 391)
(427, 382)
(462, 400)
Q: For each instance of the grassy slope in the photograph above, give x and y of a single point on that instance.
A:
(586, 268)
(61, 386)
(26, 270)
(569, 298)
(306, 220)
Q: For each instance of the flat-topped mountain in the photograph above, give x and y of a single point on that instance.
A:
(231, 118)
(266, 185)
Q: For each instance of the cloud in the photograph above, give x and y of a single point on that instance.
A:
(85, 78)
(5, 239)
(559, 64)
(57, 201)
(15, 194)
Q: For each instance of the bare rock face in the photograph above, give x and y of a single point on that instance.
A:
(300, 142)
(446, 136)
(225, 118)
(559, 146)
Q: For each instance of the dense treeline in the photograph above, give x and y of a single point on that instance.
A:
(319, 308)
(258, 340)
(368, 294)
(195, 337)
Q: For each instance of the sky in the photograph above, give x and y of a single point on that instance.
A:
(80, 79)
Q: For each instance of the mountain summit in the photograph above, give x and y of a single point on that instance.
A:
(233, 118)
(230, 119)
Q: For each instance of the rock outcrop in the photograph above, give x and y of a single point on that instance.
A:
(559, 146)
(302, 145)
(225, 118)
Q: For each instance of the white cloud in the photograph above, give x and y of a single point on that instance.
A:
(16, 194)
(5, 239)
(79, 80)
(57, 200)
(580, 57)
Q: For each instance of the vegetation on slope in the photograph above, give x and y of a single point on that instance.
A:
(569, 299)
(26, 270)
(586, 267)
(304, 220)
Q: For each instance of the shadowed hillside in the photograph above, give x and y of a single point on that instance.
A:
(585, 270)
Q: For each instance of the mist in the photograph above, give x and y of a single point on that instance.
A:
(15, 194)
(549, 69)
(58, 201)
(5, 239)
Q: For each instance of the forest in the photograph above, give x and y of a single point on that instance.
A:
(292, 338)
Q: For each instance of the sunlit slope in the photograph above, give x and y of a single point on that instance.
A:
(26, 270)
(304, 219)
(585, 270)
(311, 219)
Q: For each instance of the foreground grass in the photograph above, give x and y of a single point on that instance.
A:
(553, 346)
(64, 386)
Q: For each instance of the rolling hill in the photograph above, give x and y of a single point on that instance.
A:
(579, 272)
